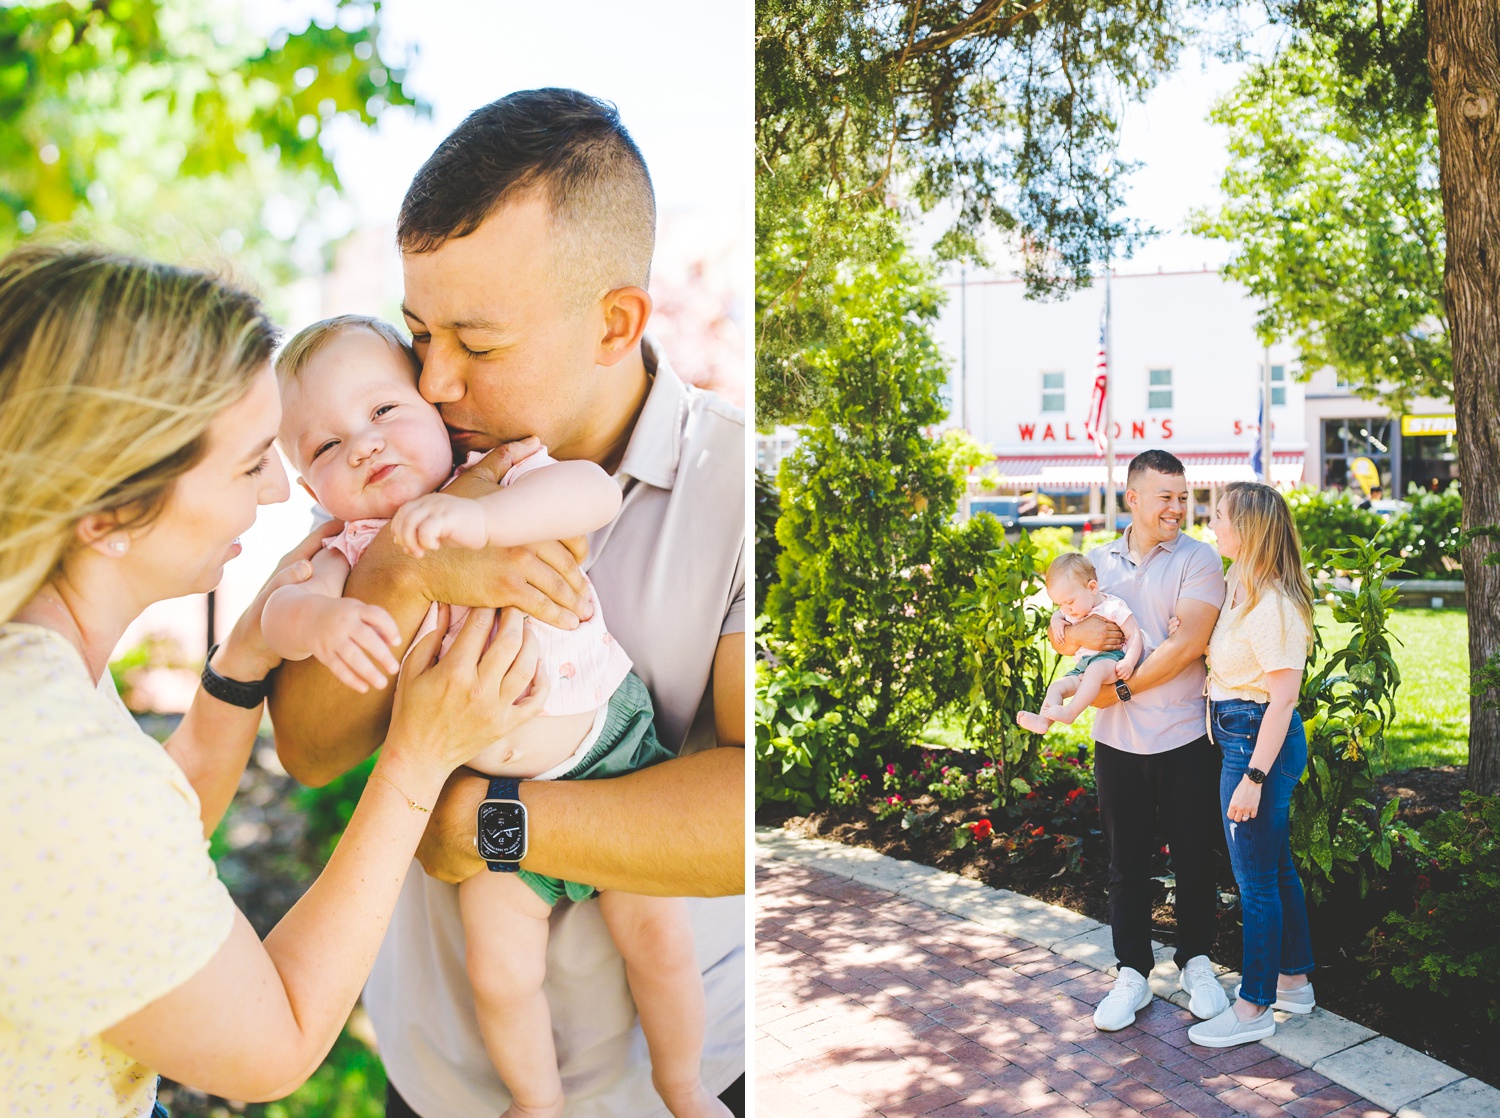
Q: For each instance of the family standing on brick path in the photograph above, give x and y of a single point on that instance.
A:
(1228, 769)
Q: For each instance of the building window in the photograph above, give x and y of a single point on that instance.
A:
(1278, 386)
(1160, 393)
(1053, 396)
(1347, 439)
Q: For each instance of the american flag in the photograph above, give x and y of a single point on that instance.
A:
(1093, 426)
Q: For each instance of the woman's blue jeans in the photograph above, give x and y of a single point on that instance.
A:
(1273, 908)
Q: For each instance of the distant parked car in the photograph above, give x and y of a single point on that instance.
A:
(1003, 509)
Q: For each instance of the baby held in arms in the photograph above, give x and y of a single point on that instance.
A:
(1073, 586)
(374, 453)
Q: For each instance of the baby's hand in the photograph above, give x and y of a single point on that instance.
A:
(1124, 670)
(353, 640)
(1173, 624)
(429, 522)
(1055, 626)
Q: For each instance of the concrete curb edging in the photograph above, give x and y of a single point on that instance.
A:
(1406, 1082)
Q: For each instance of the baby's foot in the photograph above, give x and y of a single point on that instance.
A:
(1058, 714)
(691, 1100)
(1033, 722)
(552, 1109)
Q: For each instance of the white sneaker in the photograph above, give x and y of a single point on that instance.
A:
(1130, 995)
(1206, 998)
(1300, 1000)
(1226, 1030)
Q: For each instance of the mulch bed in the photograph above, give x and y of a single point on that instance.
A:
(1339, 925)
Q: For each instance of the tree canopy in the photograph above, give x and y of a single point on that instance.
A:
(170, 123)
(1003, 112)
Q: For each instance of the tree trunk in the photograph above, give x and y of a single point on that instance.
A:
(1463, 55)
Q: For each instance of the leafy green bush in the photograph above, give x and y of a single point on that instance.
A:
(1002, 631)
(1447, 942)
(329, 808)
(870, 563)
(1049, 544)
(1427, 535)
(1347, 705)
(1330, 522)
(803, 745)
(767, 511)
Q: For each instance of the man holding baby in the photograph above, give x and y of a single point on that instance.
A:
(1153, 760)
(526, 245)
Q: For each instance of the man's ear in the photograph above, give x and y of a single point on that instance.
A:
(626, 310)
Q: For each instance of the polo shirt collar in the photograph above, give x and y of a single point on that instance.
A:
(655, 446)
(1121, 546)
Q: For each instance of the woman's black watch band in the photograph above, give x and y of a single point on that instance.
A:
(235, 692)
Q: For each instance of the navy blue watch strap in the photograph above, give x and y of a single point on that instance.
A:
(504, 788)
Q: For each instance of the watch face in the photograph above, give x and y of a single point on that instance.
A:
(502, 831)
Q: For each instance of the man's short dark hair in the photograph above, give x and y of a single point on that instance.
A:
(564, 145)
(1159, 460)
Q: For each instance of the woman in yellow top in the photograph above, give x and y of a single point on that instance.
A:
(137, 410)
(1256, 656)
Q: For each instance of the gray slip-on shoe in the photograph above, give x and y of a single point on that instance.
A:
(1300, 1000)
(1226, 1030)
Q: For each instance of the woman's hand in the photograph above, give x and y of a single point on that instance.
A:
(448, 710)
(244, 654)
(1245, 802)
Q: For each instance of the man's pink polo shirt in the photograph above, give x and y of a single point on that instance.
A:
(1170, 714)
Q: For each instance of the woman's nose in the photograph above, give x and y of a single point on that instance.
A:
(274, 486)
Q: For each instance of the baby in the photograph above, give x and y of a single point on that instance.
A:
(371, 451)
(1073, 586)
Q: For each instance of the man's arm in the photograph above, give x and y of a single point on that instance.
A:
(1174, 654)
(610, 832)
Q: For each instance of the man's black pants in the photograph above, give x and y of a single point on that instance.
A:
(733, 1097)
(1180, 788)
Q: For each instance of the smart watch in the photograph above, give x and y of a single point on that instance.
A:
(1122, 691)
(1256, 776)
(235, 692)
(500, 833)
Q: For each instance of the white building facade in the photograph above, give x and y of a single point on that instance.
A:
(1186, 374)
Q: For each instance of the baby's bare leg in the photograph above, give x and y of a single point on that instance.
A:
(1056, 693)
(655, 938)
(505, 926)
(1090, 683)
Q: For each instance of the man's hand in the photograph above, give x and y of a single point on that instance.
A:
(428, 523)
(1094, 632)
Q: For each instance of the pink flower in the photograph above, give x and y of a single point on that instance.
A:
(567, 671)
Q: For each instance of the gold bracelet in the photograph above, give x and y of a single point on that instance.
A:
(410, 803)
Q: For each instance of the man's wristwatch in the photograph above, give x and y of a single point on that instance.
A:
(500, 833)
(1256, 776)
(1122, 691)
(235, 692)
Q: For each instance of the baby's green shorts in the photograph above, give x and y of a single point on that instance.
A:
(626, 743)
(1083, 664)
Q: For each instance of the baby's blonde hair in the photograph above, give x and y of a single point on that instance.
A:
(1072, 564)
(295, 356)
(111, 370)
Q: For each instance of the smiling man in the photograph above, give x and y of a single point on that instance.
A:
(1153, 760)
(526, 245)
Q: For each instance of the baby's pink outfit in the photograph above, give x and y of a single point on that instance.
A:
(586, 664)
(1111, 609)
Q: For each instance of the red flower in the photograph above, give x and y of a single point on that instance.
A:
(1038, 831)
(982, 830)
(1073, 795)
(1423, 884)
(893, 799)
(1032, 795)
(890, 770)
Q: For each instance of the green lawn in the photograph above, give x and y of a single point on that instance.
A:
(1432, 705)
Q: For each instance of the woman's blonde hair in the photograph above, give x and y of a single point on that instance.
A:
(1270, 548)
(111, 369)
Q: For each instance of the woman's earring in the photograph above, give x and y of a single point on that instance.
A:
(119, 547)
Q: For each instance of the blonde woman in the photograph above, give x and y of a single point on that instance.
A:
(137, 409)
(1256, 656)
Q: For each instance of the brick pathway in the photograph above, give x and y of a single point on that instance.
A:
(872, 1004)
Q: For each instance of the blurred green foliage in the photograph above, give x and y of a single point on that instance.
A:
(167, 127)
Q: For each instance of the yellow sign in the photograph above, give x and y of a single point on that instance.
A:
(1429, 425)
(1365, 473)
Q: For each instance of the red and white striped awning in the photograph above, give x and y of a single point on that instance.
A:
(1203, 470)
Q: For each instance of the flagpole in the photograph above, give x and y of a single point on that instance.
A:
(1109, 415)
(1265, 418)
